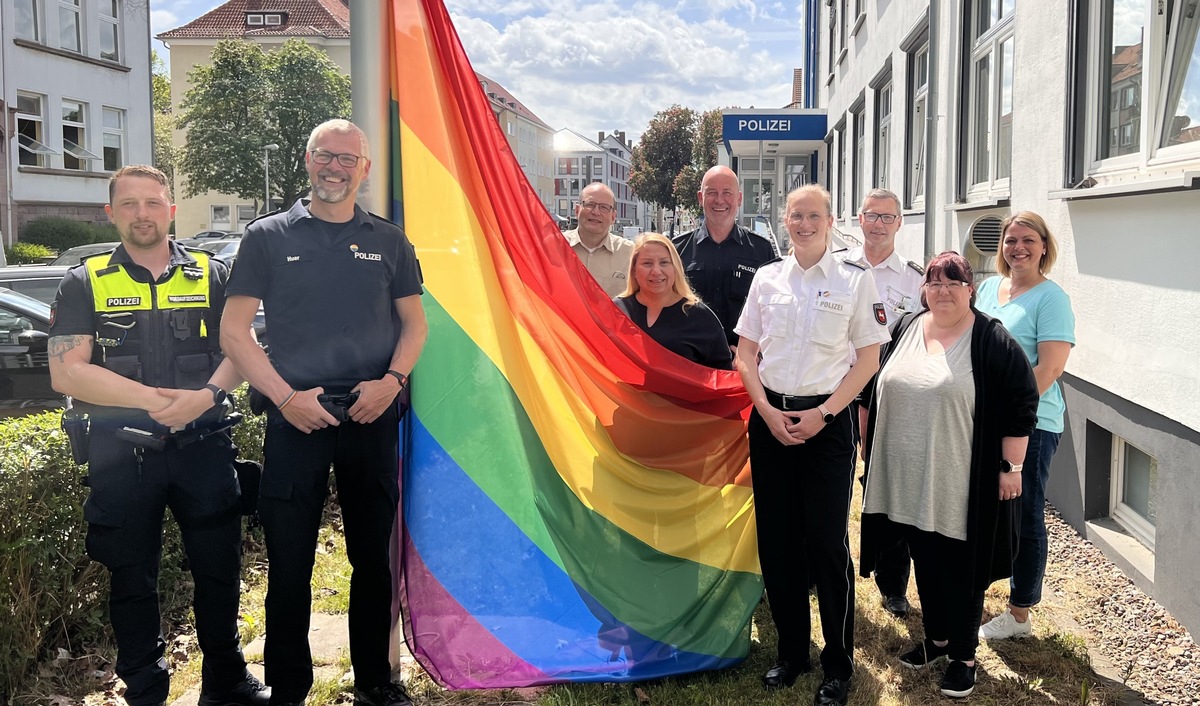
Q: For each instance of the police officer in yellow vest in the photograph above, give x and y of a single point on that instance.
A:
(134, 339)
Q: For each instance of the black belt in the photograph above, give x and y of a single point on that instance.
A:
(794, 403)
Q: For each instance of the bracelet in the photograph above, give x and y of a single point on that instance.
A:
(400, 377)
(286, 400)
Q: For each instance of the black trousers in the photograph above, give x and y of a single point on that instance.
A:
(125, 523)
(892, 569)
(951, 607)
(802, 507)
(295, 483)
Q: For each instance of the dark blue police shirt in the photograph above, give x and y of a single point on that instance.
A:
(328, 293)
(720, 273)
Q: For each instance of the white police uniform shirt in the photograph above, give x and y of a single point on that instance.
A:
(897, 280)
(808, 322)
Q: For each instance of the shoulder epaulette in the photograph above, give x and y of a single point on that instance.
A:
(778, 258)
(920, 270)
(276, 212)
(854, 263)
(835, 252)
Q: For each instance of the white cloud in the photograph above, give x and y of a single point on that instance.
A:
(163, 20)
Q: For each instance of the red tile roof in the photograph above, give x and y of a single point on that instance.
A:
(503, 99)
(305, 18)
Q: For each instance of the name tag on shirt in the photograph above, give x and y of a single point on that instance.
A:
(834, 302)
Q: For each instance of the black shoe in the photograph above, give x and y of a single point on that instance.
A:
(832, 691)
(959, 680)
(386, 695)
(924, 654)
(248, 692)
(783, 674)
(896, 605)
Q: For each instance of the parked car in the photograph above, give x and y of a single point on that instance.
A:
(24, 365)
(37, 281)
(225, 248)
(75, 255)
(213, 234)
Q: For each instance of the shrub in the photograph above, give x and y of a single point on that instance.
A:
(105, 233)
(24, 253)
(57, 233)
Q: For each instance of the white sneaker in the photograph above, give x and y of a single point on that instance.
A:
(1005, 626)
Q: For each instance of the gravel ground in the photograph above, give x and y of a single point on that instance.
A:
(1146, 648)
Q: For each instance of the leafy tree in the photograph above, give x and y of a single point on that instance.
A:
(247, 98)
(705, 141)
(164, 123)
(664, 150)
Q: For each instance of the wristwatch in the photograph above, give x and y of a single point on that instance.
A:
(1008, 467)
(219, 395)
(826, 415)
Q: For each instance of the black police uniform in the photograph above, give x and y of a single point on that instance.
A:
(328, 292)
(161, 332)
(720, 273)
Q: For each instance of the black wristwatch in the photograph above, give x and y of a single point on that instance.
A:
(826, 415)
(219, 395)
(1008, 467)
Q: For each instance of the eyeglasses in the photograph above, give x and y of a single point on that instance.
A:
(601, 208)
(943, 286)
(887, 218)
(345, 159)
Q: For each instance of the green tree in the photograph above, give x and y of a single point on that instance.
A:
(164, 122)
(247, 98)
(705, 141)
(664, 150)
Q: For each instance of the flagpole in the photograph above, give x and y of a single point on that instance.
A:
(370, 95)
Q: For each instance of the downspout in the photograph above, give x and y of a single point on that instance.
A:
(371, 99)
(931, 134)
(10, 144)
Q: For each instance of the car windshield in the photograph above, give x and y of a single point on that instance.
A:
(24, 304)
(75, 255)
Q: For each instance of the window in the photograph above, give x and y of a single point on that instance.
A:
(988, 89)
(29, 24)
(31, 150)
(114, 139)
(883, 138)
(918, 89)
(833, 47)
(74, 136)
(254, 20)
(597, 165)
(220, 217)
(841, 28)
(245, 213)
(69, 25)
(1141, 106)
(858, 171)
(110, 30)
(273, 20)
(839, 195)
(1134, 486)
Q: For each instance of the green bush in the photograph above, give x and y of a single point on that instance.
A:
(25, 253)
(58, 233)
(105, 233)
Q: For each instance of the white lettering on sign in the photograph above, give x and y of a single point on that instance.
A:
(765, 125)
(375, 257)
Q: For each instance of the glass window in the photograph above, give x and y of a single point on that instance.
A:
(74, 134)
(883, 145)
(28, 19)
(1134, 490)
(989, 88)
(918, 87)
(273, 19)
(68, 25)
(110, 30)
(31, 150)
(245, 213)
(859, 168)
(220, 217)
(1182, 117)
(114, 139)
(839, 196)
(254, 20)
(991, 13)
(1121, 74)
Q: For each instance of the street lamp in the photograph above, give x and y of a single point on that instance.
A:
(267, 150)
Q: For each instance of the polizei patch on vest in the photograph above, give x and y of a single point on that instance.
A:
(183, 298)
(880, 314)
(124, 301)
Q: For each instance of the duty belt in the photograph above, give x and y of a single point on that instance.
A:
(794, 403)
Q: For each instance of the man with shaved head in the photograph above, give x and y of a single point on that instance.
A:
(720, 257)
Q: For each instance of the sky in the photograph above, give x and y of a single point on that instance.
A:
(610, 65)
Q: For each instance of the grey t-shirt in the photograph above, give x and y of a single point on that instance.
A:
(921, 453)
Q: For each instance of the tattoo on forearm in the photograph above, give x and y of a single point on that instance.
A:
(59, 346)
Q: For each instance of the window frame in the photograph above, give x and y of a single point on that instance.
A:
(38, 9)
(72, 7)
(1140, 527)
(108, 131)
(111, 23)
(882, 146)
(915, 119)
(214, 222)
(976, 121)
(37, 145)
(858, 172)
(76, 149)
(839, 196)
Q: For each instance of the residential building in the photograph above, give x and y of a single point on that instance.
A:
(1086, 112)
(76, 89)
(531, 139)
(580, 161)
(325, 24)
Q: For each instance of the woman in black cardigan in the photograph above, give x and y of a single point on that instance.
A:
(950, 412)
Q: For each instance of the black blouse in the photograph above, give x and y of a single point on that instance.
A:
(694, 333)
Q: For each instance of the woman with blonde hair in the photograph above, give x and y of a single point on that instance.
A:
(1037, 312)
(660, 301)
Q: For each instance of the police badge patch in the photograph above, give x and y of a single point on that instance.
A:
(880, 314)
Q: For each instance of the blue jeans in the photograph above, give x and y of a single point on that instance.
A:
(1025, 587)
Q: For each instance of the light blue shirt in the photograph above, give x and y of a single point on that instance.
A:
(1040, 314)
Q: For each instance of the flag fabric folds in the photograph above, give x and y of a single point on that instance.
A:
(577, 500)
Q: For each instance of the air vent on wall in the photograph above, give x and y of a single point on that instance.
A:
(985, 235)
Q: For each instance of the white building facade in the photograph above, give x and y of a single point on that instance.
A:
(1088, 113)
(76, 86)
(580, 161)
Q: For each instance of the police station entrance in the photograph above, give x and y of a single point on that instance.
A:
(772, 152)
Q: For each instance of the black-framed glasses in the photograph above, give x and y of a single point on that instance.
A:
(601, 208)
(346, 159)
(943, 286)
(887, 218)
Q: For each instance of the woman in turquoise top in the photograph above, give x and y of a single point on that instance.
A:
(1037, 312)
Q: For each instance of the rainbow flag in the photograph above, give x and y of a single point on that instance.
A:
(577, 500)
